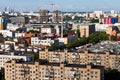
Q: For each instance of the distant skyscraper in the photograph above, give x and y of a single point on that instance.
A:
(7, 9)
(44, 17)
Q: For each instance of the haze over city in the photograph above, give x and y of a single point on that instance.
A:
(63, 5)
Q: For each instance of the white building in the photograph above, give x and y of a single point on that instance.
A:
(101, 27)
(7, 56)
(6, 33)
(19, 34)
(45, 42)
(47, 29)
(98, 13)
(12, 27)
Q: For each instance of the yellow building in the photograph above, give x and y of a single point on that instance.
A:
(85, 29)
(43, 70)
(103, 59)
(68, 39)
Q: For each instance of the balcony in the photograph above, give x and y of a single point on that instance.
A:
(47, 78)
(55, 55)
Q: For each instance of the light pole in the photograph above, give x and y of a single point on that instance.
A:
(61, 25)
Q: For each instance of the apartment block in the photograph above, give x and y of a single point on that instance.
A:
(44, 17)
(56, 16)
(44, 70)
(7, 56)
(103, 59)
(85, 29)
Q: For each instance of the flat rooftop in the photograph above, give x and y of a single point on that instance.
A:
(16, 53)
(45, 62)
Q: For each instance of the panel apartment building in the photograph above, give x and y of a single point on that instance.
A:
(44, 70)
(7, 56)
(104, 59)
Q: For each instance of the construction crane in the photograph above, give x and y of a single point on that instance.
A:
(53, 6)
(39, 7)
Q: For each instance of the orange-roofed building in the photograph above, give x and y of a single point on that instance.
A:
(113, 33)
(29, 34)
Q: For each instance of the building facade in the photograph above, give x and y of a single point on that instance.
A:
(56, 16)
(11, 55)
(104, 59)
(112, 30)
(17, 20)
(48, 29)
(44, 42)
(86, 29)
(15, 70)
(44, 17)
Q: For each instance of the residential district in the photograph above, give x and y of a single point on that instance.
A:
(59, 45)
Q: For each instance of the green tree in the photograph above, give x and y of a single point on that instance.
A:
(67, 18)
(93, 38)
(33, 31)
(36, 56)
(112, 74)
(94, 20)
(78, 33)
(19, 29)
(113, 38)
(2, 76)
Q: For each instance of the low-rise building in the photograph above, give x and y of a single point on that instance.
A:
(17, 20)
(112, 30)
(48, 29)
(67, 39)
(44, 42)
(7, 33)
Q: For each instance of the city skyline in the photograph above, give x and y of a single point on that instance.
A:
(63, 5)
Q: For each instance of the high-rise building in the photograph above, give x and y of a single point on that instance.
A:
(86, 29)
(43, 70)
(107, 59)
(44, 17)
(56, 16)
(7, 56)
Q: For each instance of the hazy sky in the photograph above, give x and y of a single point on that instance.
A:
(64, 5)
